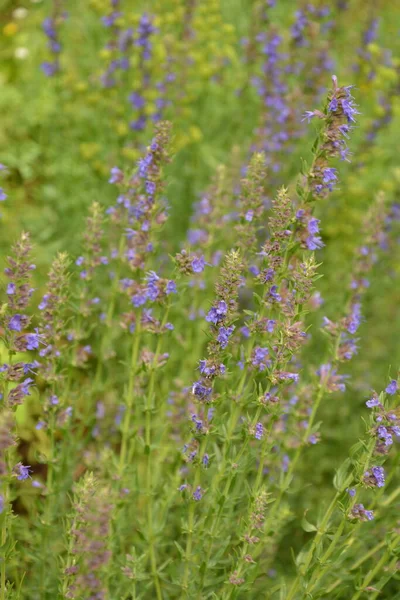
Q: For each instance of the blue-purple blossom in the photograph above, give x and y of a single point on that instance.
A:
(308, 115)
(259, 358)
(354, 319)
(17, 322)
(170, 288)
(224, 334)
(11, 287)
(392, 387)
(3, 195)
(197, 422)
(372, 402)
(152, 288)
(198, 493)
(259, 431)
(313, 241)
(33, 340)
(22, 472)
(116, 175)
(359, 512)
(210, 370)
(375, 477)
(384, 435)
(198, 264)
(217, 313)
(201, 391)
(144, 164)
(274, 294)
(150, 187)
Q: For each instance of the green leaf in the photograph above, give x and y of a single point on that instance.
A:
(306, 525)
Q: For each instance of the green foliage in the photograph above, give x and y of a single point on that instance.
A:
(208, 441)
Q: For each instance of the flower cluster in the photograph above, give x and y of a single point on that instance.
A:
(338, 117)
(221, 317)
(50, 27)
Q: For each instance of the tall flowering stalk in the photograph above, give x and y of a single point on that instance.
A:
(367, 472)
(221, 317)
(85, 571)
(51, 29)
(288, 283)
(17, 379)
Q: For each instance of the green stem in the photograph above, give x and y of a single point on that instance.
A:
(129, 398)
(189, 542)
(321, 532)
(109, 317)
(148, 452)
(293, 464)
(381, 563)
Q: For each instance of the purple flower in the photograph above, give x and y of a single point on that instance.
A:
(329, 177)
(217, 313)
(349, 109)
(259, 431)
(201, 391)
(198, 423)
(312, 226)
(375, 477)
(33, 340)
(259, 358)
(314, 242)
(198, 494)
(3, 195)
(198, 264)
(270, 325)
(150, 187)
(170, 287)
(358, 512)
(374, 401)
(116, 175)
(136, 100)
(17, 322)
(308, 115)
(273, 293)
(44, 301)
(245, 331)
(392, 387)
(205, 460)
(30, 367)
(152, 288)
(11, 289)
(354, 318)
(384, 435)
(268, 275)
(351, 492)
(224, 334)
(144, 164)
(23, 472)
